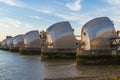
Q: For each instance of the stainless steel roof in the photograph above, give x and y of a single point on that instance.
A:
(4, 44)
(100, 26)
(60, 35)
(32, 39)
(10, 42)
(18, 41)
(99, 30)
(31, 35)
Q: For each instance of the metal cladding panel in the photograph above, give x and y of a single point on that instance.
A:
(35, 44)
(60, 36)
(32, 39)
(98, 30)
(10, 42)
(18, 41)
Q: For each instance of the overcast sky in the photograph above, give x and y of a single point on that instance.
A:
(21, 16)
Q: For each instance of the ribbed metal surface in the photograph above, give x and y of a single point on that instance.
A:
(32, 39)
(10, 42)
(4, 44)
(95, 33)
(18, 41)
(60, 36)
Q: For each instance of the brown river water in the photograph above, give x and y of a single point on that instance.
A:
(18, 67)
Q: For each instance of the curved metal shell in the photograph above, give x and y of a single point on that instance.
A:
(32, 39)
(95, 33)
(10, 42)
(4, 44)
(18, 41)
(60, 36)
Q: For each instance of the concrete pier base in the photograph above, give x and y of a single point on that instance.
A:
(30, 51)
(98, 57)
(6, 49)
(14, 49)
(57, 53)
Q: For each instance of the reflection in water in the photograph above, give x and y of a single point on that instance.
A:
(60, 68)
(17, 67)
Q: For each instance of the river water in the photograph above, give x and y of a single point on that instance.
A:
(18, 67)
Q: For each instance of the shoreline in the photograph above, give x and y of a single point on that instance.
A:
(87, 77)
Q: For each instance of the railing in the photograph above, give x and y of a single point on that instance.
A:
(115, 42)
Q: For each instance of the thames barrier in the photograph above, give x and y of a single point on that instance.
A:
(56, 54)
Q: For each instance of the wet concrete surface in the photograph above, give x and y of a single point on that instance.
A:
(14, 66)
